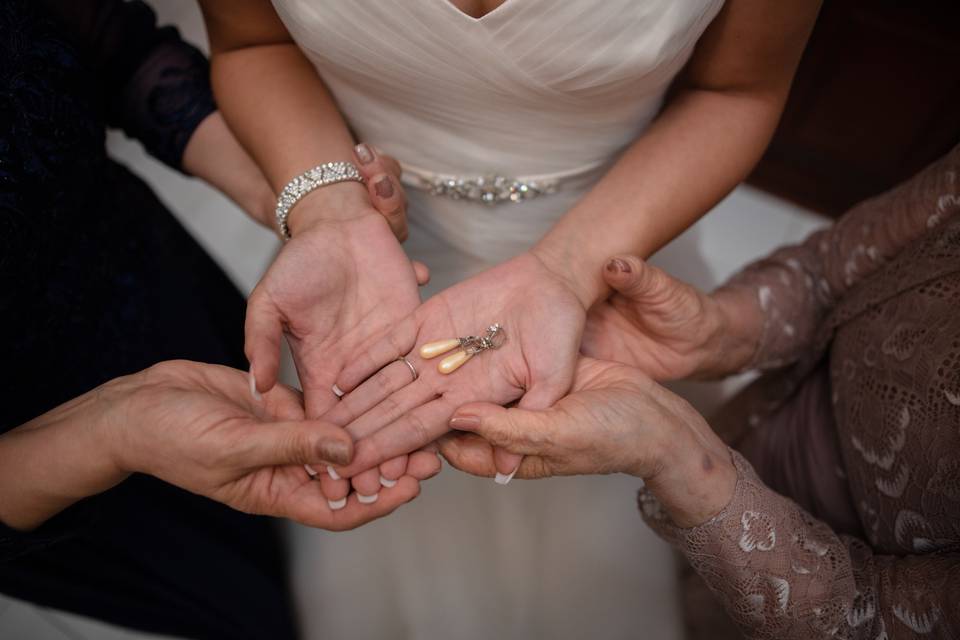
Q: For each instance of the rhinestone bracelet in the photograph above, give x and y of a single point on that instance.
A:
(319, 176)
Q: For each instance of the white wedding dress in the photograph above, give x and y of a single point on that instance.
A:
(547, 92)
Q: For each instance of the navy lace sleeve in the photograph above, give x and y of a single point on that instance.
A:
(151, 83)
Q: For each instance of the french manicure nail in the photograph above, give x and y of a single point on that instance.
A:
(337, 392)
(387, 482)
(367, 499)
(336, 505)
(503, 478)
(253, 387)
(384, 187)
(465, 422)
(364, 154)
(333, 473)
(310, 471)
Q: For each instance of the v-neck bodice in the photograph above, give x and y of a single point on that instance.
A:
(533, 87)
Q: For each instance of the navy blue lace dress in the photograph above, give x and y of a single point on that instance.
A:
(97, 280)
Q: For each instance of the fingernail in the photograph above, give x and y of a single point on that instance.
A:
(337, 392)
(387, 482)
(310, 471)
(465, 422)
(336, 505)
(367, 499)
(364, 154)
(253, 387)
(616, 264)
(333, 473)
(384, 187)
(503, 478)
(335, 451)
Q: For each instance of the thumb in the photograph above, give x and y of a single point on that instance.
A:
(540, 396)
(263, 330)
(633, 278)
(295, 443)
(515, 430)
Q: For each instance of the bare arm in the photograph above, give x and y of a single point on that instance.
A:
(254, 65)
(705, 142)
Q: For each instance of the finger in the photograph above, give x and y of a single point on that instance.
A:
(518, 431)
(390, 409)
(392, 378)
(422, 272)
(468, 452)
(387, 197)
(263, 329)
(540, 396)
(390, 164)
(393, 469)
(634, 278)
(367, 484)
(310, 507)
(411, 431)
(290, 443)
(333, 488)
(398, 342)
(423, 464)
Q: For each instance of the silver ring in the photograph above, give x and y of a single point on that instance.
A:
(413, 369)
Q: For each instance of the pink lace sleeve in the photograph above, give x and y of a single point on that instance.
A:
(782, 574)
(796, 286)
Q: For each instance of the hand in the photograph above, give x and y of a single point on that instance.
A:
(195, 426)
(340, 282)
(390, 414)
(665, 327)
(615, 420)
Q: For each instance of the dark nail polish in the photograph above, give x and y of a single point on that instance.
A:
(384, 187)
(617, 264)
(336, 452)
(364, 153)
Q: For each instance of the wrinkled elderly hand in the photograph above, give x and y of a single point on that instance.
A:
(615, 420)
(669, 329)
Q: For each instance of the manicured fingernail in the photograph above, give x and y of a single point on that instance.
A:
(310, 471)
(253, 387)
(337, 392)
(503, 478)
(616, 264)
(384, 187)
(364, 154)
(464, 422)
(333, 473)
(367, 499)
(336, 505)
(335, 451)
(387, 482)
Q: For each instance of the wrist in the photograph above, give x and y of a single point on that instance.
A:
(331, 203)
(736, 338)
(694, 482)
(584, 281)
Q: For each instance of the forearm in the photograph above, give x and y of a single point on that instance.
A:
(214, 155)
(700, 148)
(780, 572)
(301, 128)
(55, 460)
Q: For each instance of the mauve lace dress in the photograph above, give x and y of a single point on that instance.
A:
(845, 521)
(98, 280)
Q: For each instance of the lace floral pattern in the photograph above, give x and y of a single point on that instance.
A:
(877, 296)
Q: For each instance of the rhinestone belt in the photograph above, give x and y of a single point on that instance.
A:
(490, 189)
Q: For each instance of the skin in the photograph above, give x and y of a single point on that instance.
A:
(615, 420)
(715, 126)
(667, 328)
(195, 426)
